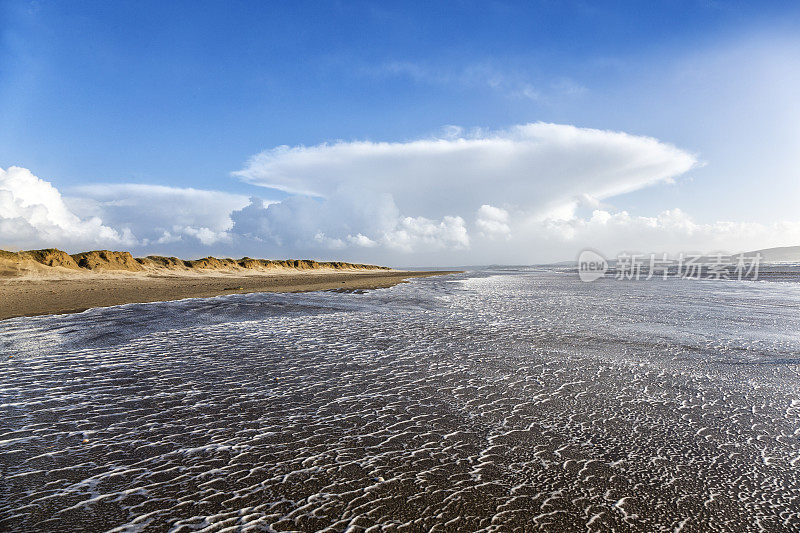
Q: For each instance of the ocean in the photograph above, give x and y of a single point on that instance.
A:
(507, 399)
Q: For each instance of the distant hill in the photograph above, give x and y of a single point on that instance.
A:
(788, 254)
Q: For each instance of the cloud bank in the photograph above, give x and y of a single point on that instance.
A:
(510, 196)
(421, 197)
(157, 214)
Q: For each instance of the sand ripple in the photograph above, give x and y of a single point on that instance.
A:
(517, 402)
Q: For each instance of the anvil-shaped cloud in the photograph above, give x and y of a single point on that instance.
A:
(537, 167)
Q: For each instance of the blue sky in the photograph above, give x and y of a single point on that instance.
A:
(183, 94)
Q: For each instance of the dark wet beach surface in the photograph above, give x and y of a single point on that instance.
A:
(496, 401)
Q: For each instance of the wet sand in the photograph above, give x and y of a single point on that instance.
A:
(32, 296)
(496, 401)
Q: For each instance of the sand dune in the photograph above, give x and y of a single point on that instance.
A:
(41, 263)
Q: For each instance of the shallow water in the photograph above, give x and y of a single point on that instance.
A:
(495, 401)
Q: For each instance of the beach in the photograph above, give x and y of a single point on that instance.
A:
(495, 400)
(51, 281)
(29, 296)
(373, 267)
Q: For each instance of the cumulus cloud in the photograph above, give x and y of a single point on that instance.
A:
(159, 214)
(33, 213)
(413, 232)
(495, 235)
(346, 220)
(671, 231)
(492, 221)
(539, 167)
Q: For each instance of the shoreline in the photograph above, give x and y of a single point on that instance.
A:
(26, 296)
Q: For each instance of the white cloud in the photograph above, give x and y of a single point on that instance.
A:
(414, 197)
(361, 240)
(492, 221)
(306, 226)
(512, 196)
(301, 223)
(671, 231)
(413, 233)
(33, 214)
(159, 214)
(537, 167)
